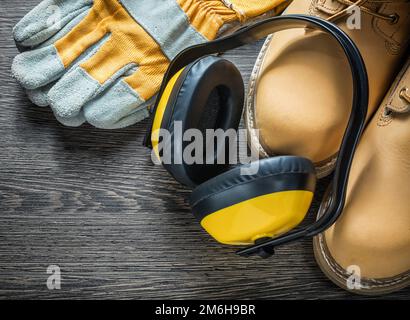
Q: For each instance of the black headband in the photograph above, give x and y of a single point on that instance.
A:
(354, 129)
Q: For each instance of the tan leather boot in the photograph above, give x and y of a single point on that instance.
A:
(300, 92)
(372, 237)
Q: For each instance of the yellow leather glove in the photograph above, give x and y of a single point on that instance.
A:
(103, 61)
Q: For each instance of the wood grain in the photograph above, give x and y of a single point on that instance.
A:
(91, 202)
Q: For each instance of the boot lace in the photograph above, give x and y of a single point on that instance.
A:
(391, 18)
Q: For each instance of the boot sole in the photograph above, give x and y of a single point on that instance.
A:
(338, 275)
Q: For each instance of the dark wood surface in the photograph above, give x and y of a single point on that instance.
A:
(91, 202)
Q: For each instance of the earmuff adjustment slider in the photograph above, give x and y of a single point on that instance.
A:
(266, 251)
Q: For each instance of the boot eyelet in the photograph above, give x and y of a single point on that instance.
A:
(394, 18)
(404, 93)
(387, 112)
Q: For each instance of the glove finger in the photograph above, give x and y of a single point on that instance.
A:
(75, 121)
(39, 96)
(59, 35)
(118, 107)
(37, 68)
(89, 79)
(75, 89)
(127, 102)
(34, 69)
(64, 31)
(45, 20)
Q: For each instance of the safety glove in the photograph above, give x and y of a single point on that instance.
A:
(102, 61)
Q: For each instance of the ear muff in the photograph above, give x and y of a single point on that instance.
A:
(221, 203)
(239, 209)
(162, 109)
(207, 94)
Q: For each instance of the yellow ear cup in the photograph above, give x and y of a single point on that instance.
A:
(267, 216)
(238, 209)
(159, 114)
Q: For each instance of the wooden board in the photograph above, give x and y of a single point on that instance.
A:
(91, 202)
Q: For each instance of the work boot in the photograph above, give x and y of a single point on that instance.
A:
(368, 249)
(300, 93)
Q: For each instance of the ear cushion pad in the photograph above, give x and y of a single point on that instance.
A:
(208, 95)
(275, 174)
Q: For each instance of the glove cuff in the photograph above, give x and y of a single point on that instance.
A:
(248, 9)
(208, 17)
